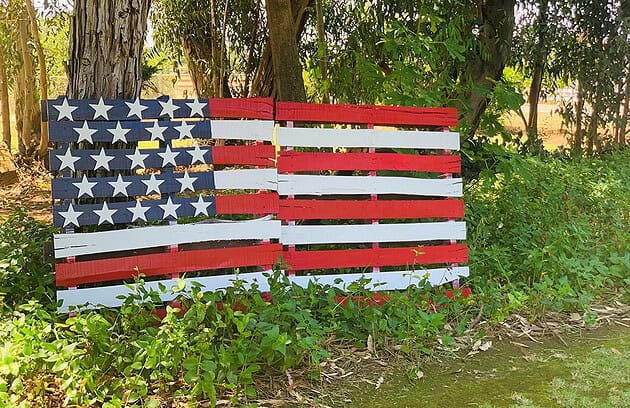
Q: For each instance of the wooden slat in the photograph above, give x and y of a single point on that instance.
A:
(256, 155)
(148, 237)
(327, 137)
(110, 296)
(291, 161)
(260, 203)
(289, 184)
(343, 234)
(76, 273)
(382, 209)
(246, 108)
(391, 280)
(264, 179)
(66, 131)
(361, 114)
(363, 258)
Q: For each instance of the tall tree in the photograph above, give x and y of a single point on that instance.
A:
(284, 52)
(106, 42)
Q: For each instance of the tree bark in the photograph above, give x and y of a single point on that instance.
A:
(106, 42)
(26, 135)
(495, 35)
(264, 83)
(43, 77)
(4, 104)
(579, 107)
(624, 119)
(540, 59)
(323, 49)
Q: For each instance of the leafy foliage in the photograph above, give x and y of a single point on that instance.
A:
(23, 273)
(550, 234)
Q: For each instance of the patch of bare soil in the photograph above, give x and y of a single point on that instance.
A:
(31, 191)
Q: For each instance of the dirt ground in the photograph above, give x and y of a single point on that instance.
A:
(549, 124)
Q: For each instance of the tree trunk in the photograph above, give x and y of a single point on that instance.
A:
(579, 107)
(495, 34)
(106, 41)
(592, 134)
(264, 83)
(624, 119)
(43, 77)
(4, 104)
(323, 50)
(27, 74)
(540, 59)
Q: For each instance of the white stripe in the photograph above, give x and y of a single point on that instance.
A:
(342, 234)
(327, 137)
(394, 280)
(256, 179)
(107, 295)
(290, 184)
(243, 129)
(148, 237)
(93, 298)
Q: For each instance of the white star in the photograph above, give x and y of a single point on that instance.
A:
(157, 131)
(169, 209)
(105, 214)
(168, 108)
(65, 110)
(100, 109)
(196, 107)
(138, 212)
(168, 156)
(153, 184)
(119, 133)
(184, 130)
(186, 182)
(136, 108)
(70, 216)
(85, 187)
(120, 186)
(197, 155)
(137, 159)
(67, 160)
(201, 207)
(102, 160)
(85, 133)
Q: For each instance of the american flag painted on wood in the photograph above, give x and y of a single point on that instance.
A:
(118, 201)
(369, 191)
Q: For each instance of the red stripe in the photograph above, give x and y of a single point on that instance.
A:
(383, 209)
(261, 203)
(245, 108)
(102, 270)
(256, 155)
(378, 115)
(365, 258)
(292, 161)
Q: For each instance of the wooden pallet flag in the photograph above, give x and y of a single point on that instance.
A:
(370, 202)
(119, 201)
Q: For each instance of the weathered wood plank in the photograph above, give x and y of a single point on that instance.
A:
(362, 114)
(290, 161)
(289, 184)
(363, 209)
(148, 237)
(363, 258)
(132, 132)
(343, 234)
(328, 137)
(103, 270)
